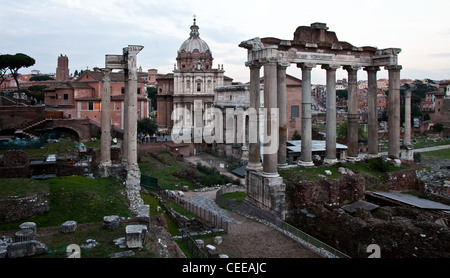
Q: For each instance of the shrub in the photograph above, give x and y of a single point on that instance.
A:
(378, 164)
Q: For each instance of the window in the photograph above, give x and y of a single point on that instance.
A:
(122, 91)
(139, 91)
(199, 87)
(91, 105)
(66, 96)
(295, 111)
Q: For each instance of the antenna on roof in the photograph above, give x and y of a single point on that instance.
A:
(195, 19)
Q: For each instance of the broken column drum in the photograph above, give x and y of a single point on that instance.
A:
(311, 46)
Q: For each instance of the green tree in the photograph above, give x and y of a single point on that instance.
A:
(3, 67)
(147, 125)
(296, 136)
(341, 132)
(439, 127)
(16, 62)
(41, 78)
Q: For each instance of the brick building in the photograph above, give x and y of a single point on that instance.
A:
(81, 98)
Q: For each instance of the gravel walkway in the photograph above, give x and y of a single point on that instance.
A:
(248, 238)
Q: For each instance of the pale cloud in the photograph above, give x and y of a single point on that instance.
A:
(87, 30)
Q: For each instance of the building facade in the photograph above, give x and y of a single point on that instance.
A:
(81, 99)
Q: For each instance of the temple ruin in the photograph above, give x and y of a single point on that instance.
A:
(314, 46)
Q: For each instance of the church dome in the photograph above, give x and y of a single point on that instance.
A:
(194, 42)
(194, 53)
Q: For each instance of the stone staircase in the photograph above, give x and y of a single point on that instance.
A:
(28, 133)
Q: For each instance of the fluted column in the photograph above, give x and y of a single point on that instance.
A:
(306, 147)
(394, 112)
(105, 140)
(281, 78)
(330, 151)
(270, 154)
(254, 157)
(373, 111)
(352, 128)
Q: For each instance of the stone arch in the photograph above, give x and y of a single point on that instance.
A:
(68, 132)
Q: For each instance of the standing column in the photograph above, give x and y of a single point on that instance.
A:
(270, 154)
(352, 128)
(373, 111)
(125, 127)
(407, 141)
(394, 112)
(281, 101)
(330, 151)
(254, 158)
(131, 97)
(105, 147)
(306, 147)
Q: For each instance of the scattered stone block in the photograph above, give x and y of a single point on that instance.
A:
(158, 208)
(89, 244)
(185, 188)
(181, 193)
(135, 235)
(111, 222)
(218, 240)
(121, 242)
(342, 171)
(24, 235)
(328, 172)
(223, 256)
(26, 249)
(200, 243)
(144, 214)
(210, 247)
(128, 253)
(69, 226)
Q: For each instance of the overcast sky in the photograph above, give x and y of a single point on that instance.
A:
(86, 31)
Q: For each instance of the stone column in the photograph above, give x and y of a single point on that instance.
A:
(133, 178)
(254, 156)
(281, 101)
(105, 144)
(373, 111)
(352, 128)
(394, 112)
(125, 127)
(407, 140)
(330, 151)
(306, 147)
(270, 158)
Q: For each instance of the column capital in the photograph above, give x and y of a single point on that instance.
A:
(268, 60)
(330, 67)
(371, 68)
(283, 65)
(253, 65)
(306, 66)
(351, 68)
(393, 67)
(106, 74)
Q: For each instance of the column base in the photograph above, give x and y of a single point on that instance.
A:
(283, 166)
(270, 175)
(330, 161)
(305, 163)
(352, 159)
(104, 169)
(254, 167)
(373, 155)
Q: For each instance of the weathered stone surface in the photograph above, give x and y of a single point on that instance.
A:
(111, 222)
(28, 226)
(127, 253)
(23, 235)
(69, 226)
(218, 240)
(135, 235)
(26, 249)
(200, 243)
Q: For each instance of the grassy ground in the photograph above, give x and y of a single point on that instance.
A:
(440, 154)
